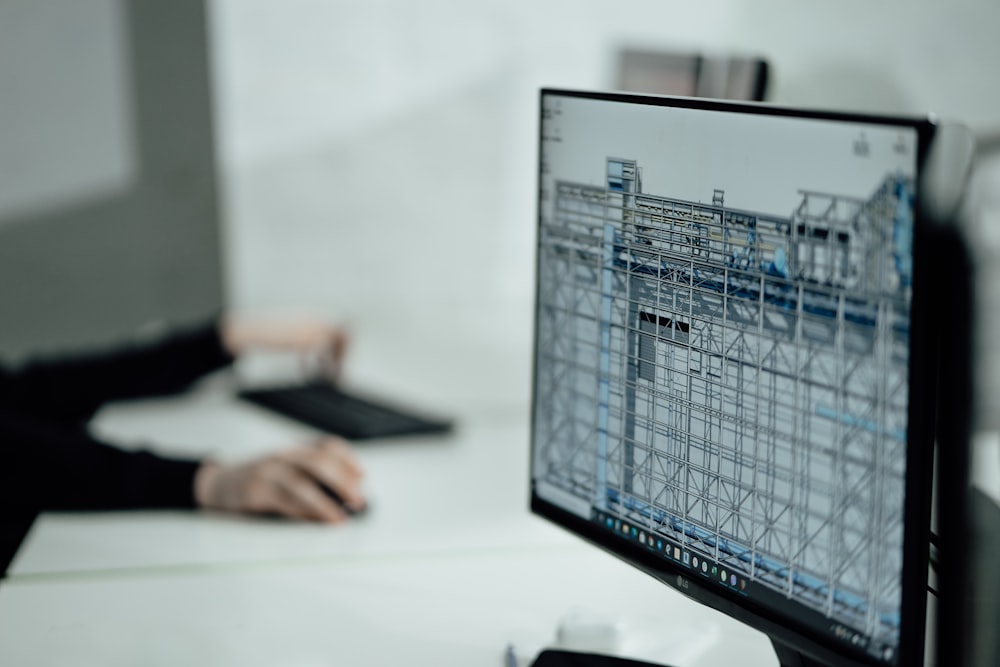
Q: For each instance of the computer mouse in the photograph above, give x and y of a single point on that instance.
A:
(336, 497)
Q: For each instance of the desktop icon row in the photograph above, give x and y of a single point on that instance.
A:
(689, 559)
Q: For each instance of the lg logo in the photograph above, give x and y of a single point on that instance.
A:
(682, 582)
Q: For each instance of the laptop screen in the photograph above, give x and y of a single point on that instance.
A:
(723, 351)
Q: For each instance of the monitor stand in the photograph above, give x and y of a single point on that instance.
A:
(787, 657)
(561, 658)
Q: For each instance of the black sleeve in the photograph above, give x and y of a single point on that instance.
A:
(70, 389)
(47, 466)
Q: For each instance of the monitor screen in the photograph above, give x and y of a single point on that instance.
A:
(726, 359)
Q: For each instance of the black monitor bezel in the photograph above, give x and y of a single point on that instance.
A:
(921, 414)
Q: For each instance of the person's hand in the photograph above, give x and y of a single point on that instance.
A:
(295, 483)
(318, 342)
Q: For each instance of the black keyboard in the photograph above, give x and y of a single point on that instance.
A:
(323, 406)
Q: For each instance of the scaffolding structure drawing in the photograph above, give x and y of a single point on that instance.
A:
(735, 380)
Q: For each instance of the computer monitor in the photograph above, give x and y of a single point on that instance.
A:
(734, 365)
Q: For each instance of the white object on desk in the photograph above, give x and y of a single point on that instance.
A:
(589, 630)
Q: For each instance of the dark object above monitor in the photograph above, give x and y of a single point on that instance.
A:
(665, 72)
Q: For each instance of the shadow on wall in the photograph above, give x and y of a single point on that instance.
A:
(88, 270)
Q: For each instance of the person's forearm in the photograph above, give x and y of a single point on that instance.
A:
(47, 467)
(72, 388)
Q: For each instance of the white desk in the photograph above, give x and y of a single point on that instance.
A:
(468, 489)
(446, 569)
(459, 608)
(465, 488)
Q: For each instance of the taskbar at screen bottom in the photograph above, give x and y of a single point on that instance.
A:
(737, 581)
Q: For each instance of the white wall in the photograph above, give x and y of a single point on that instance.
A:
(296, 72)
